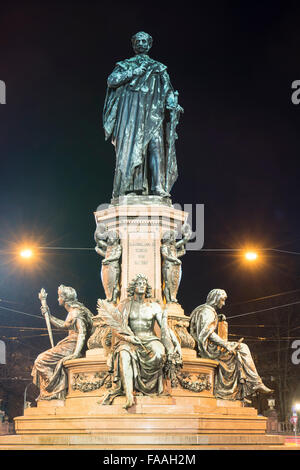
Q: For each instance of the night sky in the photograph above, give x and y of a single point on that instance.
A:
(233, 64)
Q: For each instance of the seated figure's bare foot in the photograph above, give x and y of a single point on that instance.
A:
(129, 403)
(261, 388)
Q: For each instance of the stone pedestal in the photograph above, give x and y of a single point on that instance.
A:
(187, 415)
(188, 409)
(141, 223)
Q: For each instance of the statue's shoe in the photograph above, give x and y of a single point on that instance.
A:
(161, 193)
(261, 388)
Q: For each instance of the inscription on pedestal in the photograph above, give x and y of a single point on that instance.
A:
(141, 227)
(142, 255)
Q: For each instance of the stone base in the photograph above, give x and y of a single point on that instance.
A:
(179, 418)
(134, 441)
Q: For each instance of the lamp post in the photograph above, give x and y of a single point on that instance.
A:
(294, 418)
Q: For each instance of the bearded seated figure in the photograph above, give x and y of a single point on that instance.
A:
(236, 376)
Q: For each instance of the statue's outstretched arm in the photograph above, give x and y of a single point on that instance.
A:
(55, 321)
(99, 251)
(81, 328)
(187, 233)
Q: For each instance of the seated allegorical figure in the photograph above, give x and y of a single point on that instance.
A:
(48, 371)
(236, 376)
(139, 359)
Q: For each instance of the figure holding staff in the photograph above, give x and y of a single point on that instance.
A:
(48, 371)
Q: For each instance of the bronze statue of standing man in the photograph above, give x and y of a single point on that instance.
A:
(140, 116)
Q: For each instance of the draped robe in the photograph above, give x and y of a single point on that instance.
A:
(134, 114)
(236, 376)
(147, 367)
(48, 371)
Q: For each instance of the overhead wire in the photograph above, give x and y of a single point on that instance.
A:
(19, 311)
(265, 309)
(265, 297)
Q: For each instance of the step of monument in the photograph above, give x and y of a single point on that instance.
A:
(150, 405)
(142, 423)
(98, 410)
(122, 441)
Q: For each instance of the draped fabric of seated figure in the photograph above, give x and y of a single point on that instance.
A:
(48, 372)
(236, 376)
(139, 358)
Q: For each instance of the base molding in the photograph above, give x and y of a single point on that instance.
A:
(117, 441)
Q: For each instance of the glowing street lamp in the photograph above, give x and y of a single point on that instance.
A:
(26, 253)
(251, 256)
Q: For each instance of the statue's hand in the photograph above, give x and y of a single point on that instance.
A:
(135, 340)
(140, 70)
(69, 358)
(231, 349)
(187, 231)
(221, 317)
(177, 350)
(174, 107)
(45, 310)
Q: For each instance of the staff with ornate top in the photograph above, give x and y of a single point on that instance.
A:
(45, 311)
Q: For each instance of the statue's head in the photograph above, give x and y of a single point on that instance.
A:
(100, 232)
(141, 42)
(169, 236)
(112, 237)
(216, 298)
(140, 285)
(66, 294)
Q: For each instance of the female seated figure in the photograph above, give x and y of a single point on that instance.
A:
(48, 372)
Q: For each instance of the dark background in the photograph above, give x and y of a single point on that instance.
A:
(233, 64)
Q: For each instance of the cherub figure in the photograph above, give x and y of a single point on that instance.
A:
(171, 251)
(108, 246)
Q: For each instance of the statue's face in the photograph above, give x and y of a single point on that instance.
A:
(112, 238)
(222, 301)
(141, 45)
(173, 236)
(140, 286)
(60, 299)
